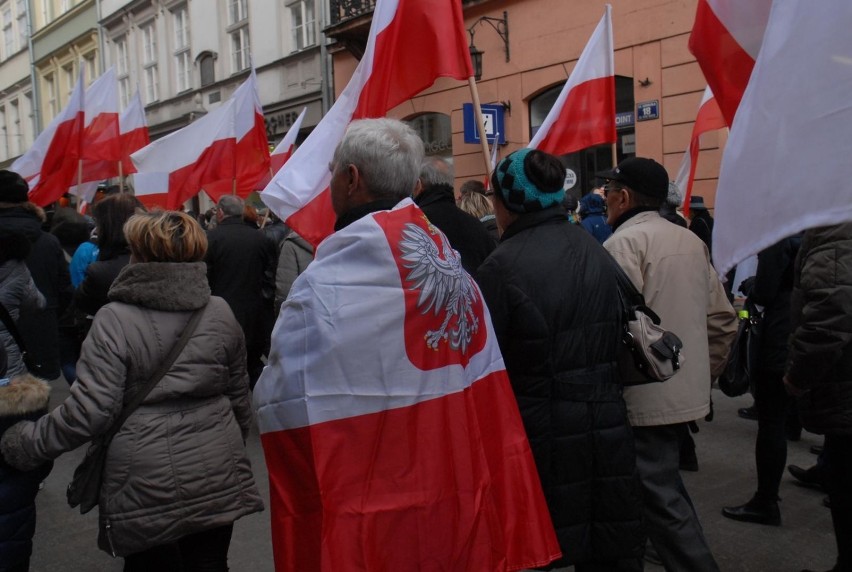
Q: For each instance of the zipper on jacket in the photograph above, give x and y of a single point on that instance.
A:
(108, 528)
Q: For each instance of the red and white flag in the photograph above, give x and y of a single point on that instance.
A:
(101, 138)
(709, 119)
(134, 132)
(284, 150)
(392, 437)
(411, 44)
(783, 169)
(726, 39)
(223, 152)
(50, 165)
(584, 112)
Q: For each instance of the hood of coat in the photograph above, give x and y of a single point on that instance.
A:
(166, 286)
(23, 395)
(25, 218)
(592, 204)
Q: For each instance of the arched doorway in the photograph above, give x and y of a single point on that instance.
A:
(584, 164)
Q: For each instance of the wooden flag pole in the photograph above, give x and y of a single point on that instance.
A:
(120, 178)
(480, 124)
(614, 153)
(234, 187)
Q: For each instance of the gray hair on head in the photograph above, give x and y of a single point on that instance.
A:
(674, 198)
(436, 171)
(230, 205)
(387, 153)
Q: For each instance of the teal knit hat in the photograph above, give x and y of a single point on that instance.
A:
(518, 191)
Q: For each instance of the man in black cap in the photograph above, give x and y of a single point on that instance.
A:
(701, 223)
(46, 262)
(671, 268)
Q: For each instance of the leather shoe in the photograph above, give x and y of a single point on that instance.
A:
(811, 478)
(749, 413)
(759, 512)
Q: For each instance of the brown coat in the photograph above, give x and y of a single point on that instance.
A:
(671, 267)
(178, 465)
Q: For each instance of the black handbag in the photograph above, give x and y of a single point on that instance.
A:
(649, 352)
(12, 328)
(85, 487)
(736, 378)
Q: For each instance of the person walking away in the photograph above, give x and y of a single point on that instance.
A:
(592, 209)
(668, 210)
(700, 222)
(296, 254)
(819, 365)
(560, 332)
(479, 206)
(671, 267)
(770, 289)
(177, 474)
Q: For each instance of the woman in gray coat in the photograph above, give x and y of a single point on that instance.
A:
(177, 475)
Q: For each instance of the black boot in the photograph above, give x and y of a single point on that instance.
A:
(749, 413)
(757, 510)
(811, 478)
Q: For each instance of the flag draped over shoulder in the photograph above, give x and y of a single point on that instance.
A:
(725, 40)
(411, 44)
(50, 165)
(584, 112)
(783, 169)
(709, 118)
(391, 433)
(224, 151)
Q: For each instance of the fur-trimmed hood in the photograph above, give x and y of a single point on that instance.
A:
(24, 395)
(166, 286)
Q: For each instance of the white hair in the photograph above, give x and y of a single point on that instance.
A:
(436, 171)
(387, 154)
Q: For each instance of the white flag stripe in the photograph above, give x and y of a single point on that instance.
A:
(745, 21)
(133, 116)
(291, 135)
(102, 96)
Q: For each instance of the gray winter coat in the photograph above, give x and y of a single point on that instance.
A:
(17, 290)
(296, 254)
(178, 465)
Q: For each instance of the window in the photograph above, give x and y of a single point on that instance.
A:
(91, 68)
(183, 63)
(8, 33)
(237, 11)
(207, 68)
(15, 148)
(50, 90)
(303, 24)
(68, 74)
(4, 135)
(149, 63)
(66, 5)
(124, 91)
(122, 69)
(46, 11)
(23, 31)
(239, 49)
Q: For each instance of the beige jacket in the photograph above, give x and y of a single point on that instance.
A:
(671, 267)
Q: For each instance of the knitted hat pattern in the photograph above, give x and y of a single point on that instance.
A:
(518, 192)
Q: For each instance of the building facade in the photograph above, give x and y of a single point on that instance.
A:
(17, 126)
(658, 82)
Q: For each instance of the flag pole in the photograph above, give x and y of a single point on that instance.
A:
(480, 123)
(615, 152)
(234, 186)
(120, 178)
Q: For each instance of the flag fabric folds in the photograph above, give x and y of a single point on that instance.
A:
(783, 169)
(709, 118)
(134, 132)
(391, 433)
(584, 112)
(411, 44)
(284, 150)
(726, 39)
(223, 152)
(50, 165)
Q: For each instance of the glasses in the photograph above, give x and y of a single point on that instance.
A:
(610, 187)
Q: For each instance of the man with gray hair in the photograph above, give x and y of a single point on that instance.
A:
(241, 263)
(389, 426)
(436, 198)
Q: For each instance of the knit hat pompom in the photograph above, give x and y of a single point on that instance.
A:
(13, 188)
(529, 180)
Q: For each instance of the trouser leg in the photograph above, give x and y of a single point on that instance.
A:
(206, 551)
(838, 450)
(671, 519)
(770, 448)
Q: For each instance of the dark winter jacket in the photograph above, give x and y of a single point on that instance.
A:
(702, 226)
(558, 327)
(466, 234)
(24, 399)
(178, 464)
(820, 359)
(592, 209)
(91, 296)
(490, 224)
(772, 287)
(241, 265)
(276, 232)
(17, 292)
(49, 270)
(669, 213)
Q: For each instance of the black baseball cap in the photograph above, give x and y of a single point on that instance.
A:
(641, 174)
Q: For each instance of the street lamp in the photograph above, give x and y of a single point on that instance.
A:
(501, 26)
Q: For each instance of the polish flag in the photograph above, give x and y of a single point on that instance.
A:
(726, 39)
(392, 437)
(584, 112)
(134, 132)
(223, 152)
(284, 150)
(783, 169)
(411, 44)
(709, 119)
(50, 165)
(101, 140)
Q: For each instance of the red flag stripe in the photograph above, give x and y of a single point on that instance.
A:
(586, 119)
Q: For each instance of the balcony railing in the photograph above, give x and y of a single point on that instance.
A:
(343, 10)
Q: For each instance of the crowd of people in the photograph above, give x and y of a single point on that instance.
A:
(102, 300)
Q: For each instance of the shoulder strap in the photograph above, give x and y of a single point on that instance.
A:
(7, 320)
(155, 378)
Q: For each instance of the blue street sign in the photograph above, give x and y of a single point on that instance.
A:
(647, 110)
(493, 118)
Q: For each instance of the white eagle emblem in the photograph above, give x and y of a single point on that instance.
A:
(444, 286)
